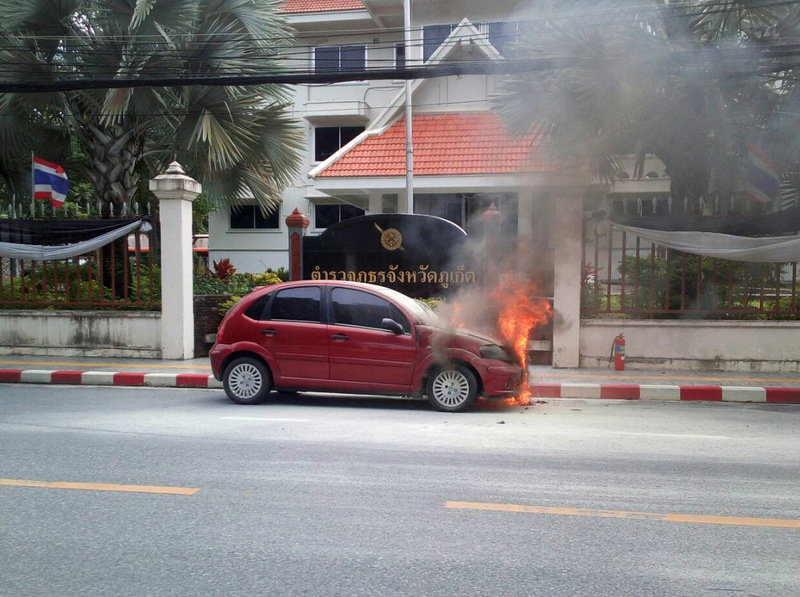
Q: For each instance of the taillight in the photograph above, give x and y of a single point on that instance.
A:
(221, 330)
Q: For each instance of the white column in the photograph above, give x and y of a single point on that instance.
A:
(525, 208)
(175, 192)
(375, 203)
(402, 204)
(568, 261)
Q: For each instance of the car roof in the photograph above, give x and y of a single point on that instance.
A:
(357, 285)
(387, 293)
(412, 307)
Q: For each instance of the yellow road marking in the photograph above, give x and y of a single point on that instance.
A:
(691, 518)
(101, 487)
(118, 365)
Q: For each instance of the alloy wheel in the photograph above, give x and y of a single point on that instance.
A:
(451, 388)
(245, 380)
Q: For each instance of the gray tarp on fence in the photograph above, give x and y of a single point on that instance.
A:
(769, 249)
(53, 252)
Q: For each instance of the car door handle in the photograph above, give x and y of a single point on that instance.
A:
(340, 337)
(269, 332)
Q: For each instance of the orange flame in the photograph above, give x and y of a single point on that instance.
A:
(519, 314)
(457, 317)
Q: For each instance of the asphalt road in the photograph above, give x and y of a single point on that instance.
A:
(319, 496)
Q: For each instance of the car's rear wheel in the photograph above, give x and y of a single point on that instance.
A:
(247, 380)
(452, 389)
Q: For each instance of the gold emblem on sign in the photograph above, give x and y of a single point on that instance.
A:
(391, 239)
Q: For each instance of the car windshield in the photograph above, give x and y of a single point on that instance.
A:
(428, 316)
(421, 312)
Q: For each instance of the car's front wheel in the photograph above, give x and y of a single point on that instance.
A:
(452, 389)
(247, 380)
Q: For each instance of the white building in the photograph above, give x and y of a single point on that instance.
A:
(355, 131)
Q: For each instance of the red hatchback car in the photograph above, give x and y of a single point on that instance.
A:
(330, 336)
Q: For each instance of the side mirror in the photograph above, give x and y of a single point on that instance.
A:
(391, 325)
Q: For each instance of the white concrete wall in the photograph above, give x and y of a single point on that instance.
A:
(757, 346)
(81, 333)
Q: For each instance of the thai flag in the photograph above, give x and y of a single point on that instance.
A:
(49, 182)
(761, 177)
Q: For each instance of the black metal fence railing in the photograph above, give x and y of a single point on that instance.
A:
(626, 276)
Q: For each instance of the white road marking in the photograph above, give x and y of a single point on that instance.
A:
(680, 435)
(271, 419)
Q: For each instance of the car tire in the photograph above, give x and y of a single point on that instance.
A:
(247, 380)
(452, 389)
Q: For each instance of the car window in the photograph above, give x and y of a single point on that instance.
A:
(354, 307)
(297, 304)
(256, 310)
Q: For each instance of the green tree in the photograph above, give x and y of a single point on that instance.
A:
(238, 142)
(684, 80)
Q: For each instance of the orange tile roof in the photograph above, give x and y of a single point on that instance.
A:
(298, 6)
(444, 145)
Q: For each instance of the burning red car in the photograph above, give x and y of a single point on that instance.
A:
(331, 336)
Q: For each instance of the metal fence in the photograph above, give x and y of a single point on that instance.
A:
(626, 276)
(124, 274)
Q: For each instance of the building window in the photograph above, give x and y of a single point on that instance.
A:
(433, 36)
(326, 216)
(466, 209)
(332, 59)
(503, 35)
(329, 139)
(250, 217)
(400, 56)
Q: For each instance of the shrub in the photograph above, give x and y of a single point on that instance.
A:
(228, 304)
(705, 291)
(433, 303)
(223, 269)
(235, 284)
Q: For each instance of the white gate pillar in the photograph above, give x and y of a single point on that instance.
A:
(568, 262)
(175, 192)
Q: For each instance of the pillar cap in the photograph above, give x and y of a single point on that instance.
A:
(297, 219)
(175, 184)
(174, 168)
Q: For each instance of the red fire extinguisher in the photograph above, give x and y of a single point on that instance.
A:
(618, 353)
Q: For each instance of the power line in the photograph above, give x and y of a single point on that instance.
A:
(168, 77)
(291, 78)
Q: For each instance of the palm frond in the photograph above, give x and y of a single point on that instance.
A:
(238, 140)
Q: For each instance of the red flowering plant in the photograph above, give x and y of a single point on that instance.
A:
(223, 269)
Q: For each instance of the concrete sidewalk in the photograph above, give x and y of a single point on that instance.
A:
(545, 382)
(105, 364)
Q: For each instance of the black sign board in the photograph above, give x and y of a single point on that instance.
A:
(421, 256)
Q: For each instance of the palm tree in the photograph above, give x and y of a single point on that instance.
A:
(239, 142)
(657, 79)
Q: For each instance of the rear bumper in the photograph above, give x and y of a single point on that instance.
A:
(501, 380)
(217, 355)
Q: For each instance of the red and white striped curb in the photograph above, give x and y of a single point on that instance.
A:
(107, 378)
(685, 392)
(605, 391)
